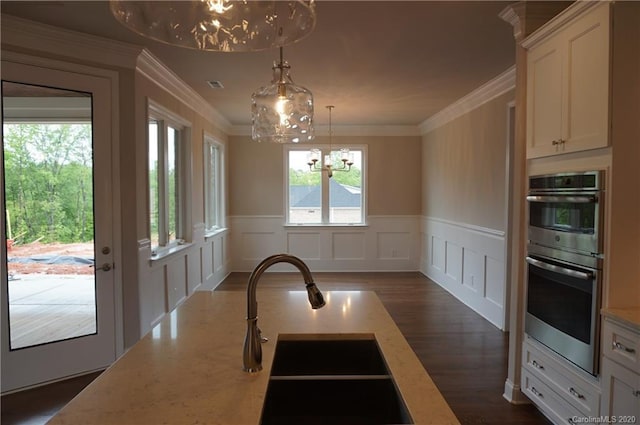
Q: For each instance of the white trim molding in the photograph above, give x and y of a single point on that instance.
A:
(387, 243)
(483, 94)
(468, 261)
(40, 37)
(157, 72)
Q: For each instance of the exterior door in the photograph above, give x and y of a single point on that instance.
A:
(57, 297)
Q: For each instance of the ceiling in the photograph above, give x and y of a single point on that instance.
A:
(378, 62)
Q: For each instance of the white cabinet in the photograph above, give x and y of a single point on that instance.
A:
(620, 371)
(568, 83)
(559, 389)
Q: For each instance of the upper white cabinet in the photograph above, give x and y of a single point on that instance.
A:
(568, 82)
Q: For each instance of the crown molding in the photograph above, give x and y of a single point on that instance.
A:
(347, 130)
(483, 94)
(511, 14)
(578, 8)
(39, 37)
(157, 72)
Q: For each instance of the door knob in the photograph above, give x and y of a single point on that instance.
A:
(105, 267)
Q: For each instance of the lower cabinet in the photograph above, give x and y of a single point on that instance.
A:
(563, 392)
(620, 373)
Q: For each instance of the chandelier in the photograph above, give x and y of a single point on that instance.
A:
(282, 112)
(219, 25)
(327, 165)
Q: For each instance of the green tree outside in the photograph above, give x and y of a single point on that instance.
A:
(48, 171)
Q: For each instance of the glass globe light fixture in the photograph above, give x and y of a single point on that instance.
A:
(219, 25)
(282, 112)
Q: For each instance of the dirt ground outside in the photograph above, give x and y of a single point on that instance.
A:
(84, 250)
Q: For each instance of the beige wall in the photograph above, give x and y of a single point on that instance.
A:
(256, 181)
(464, 167)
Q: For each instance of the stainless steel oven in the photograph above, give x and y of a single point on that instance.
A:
(563, 305)
(565, 211)
(564, 264)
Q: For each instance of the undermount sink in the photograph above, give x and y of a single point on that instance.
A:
(331, 379)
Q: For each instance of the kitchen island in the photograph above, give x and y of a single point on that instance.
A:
(188, 369)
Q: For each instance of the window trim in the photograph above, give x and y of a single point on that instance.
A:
(166, 119)
(220, 201)
(325, 186)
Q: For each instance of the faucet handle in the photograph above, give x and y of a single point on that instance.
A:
(263, 339)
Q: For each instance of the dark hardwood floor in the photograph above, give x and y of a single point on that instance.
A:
(465, 355)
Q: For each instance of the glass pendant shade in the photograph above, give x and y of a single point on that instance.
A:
(282, 112)
(219, 25)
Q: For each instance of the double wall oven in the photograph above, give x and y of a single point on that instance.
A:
(564, 263)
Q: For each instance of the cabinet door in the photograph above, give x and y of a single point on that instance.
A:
(544, 98)
(586, 90)
(621, 390)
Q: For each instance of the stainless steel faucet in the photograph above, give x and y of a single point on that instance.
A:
(252, 355)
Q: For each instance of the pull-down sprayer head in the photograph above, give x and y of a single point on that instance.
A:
(252, 355)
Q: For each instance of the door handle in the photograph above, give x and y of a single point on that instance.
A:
(105, 267)
(573, 199)
(558, 269)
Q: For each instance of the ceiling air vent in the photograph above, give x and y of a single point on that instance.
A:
(215, 84)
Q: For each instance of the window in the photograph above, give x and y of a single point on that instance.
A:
(213, 185)
(314, 198)
(168, 147)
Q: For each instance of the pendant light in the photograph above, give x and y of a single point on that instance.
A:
(327, 164)
(219, 25)
(282, 112)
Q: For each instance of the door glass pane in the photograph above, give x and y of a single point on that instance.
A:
(48, 186)
(345, 190)
(305, 191)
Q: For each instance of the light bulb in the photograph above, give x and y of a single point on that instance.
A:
(281, 108)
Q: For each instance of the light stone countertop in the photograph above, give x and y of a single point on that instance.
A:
(629, 316)
(188, 369)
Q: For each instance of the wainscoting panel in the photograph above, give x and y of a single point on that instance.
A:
(437, 257)
(468, 261)
(168, 281)
(495, 286)
(158, 299)
(207, 261)
(453, 261)
(305, 245)
(472, 270)
(386, 243)
(176, 281)
(393, 245)
(348, 246)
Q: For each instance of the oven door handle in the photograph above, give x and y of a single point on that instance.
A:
(558, 269)
(563, 199)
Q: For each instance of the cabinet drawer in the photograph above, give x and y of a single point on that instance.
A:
(568, 383)
(622, 345)
(547, 400)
